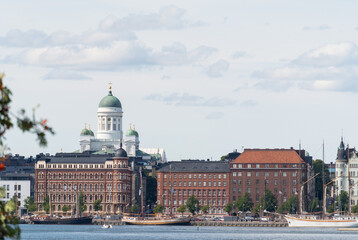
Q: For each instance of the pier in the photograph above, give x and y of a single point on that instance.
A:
(238, 224)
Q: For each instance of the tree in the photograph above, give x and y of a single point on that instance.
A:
(151, 190)
(134, 208)
(228, 208)
(81, 201)
(244, 203)
(355, 209)
(97, 205)
(65, 208)
(30, 204)
(8, 223)
(159, 208)
(193, 204)
(46, 204)
(181, 209)
(292, 204)
(342, 201)
(12, 203)
(317, 168)
(314, 206)
(205, 209)
(268, 201)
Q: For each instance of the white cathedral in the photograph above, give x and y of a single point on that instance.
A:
(110, 134)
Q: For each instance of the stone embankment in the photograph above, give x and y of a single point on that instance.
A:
(239, 224)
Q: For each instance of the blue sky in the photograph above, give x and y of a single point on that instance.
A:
(197, 78)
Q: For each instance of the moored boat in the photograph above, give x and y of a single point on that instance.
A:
(64, 220)
(313, 221)
(155, 221)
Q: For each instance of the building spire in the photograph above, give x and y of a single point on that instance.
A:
(130, 126)
(85, 125)
(110, 87)
(133, 127)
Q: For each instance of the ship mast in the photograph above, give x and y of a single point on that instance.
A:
(141, 192)
(349, 183)
(171, 192)
(324, 186)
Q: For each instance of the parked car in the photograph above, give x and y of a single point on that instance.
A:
(249, 218)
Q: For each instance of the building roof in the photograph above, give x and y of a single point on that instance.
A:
(110, 101)
(201, 166)
(269, 156)
(77, 158)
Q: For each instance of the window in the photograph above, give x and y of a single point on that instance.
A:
(275, 182)
(294, 165)
(234, 165)
(293, 182)
(249, 174)
(248, 190)
(267, 174)
(284, 174)
(257, 165)
(240, 165)
(239, 174)
(257, 181)
(249, 165)
(257, 174)
(276, 165)
(248, 181)
(267, 165)
(234, 174)
(276, 174)
(294, 174)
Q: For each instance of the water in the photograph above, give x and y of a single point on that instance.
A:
(89, 232)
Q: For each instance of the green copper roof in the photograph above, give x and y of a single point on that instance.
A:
(110, 101)
(85, 132)
(132, 132)
(91, 132)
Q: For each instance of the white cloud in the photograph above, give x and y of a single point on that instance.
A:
(239, 54)
(61, 74)
(330, 67)
(217, 69)
(214, 115)
(249, 103)
(316, 28)
(186, 99)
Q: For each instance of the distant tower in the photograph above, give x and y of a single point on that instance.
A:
(132, 141)
(109, 117)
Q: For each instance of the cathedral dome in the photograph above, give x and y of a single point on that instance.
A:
(91, 132)
(86, 132)
(110, 101)
(120, 153)
(132, 132)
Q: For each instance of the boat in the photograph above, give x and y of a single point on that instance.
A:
(142, 219)
(107, 226)
(313, 221)
(336, 221)
(130, 220)
(63, 220)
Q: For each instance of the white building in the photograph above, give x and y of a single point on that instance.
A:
(19, 187)
(110, 134)
(341, 183)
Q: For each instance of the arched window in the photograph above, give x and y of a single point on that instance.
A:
(54, 187)
(64, 187)
(101, 197)
(54, 176)
(90, 198)
(64, 176)
(59, 208)
(95, 187)
(59, 197)
(91, 176)
(85, 187)
(59, 186)
(69, 198)
(101, 175)
(90, 187)
(101, 187)
(64, 198)
(96, 176)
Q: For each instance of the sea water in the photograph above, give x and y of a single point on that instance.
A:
(89, 232)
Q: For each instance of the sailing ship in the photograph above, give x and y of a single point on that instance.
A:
(141, 220)
(313, 221)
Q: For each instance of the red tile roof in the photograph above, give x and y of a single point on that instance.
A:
(269, 156)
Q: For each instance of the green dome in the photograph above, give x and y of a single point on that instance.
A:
(132, 132)
(110, 101)
(91, 132)
(85, 132)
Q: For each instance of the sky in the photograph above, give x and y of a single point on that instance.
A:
(197, 78)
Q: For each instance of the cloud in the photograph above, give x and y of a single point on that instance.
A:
(239, 54)
(118, 55)
(214, 115)
(61, 74)
(316, 28)
(248, 103)
(186, 99)
(165, 77)
(217, 69)
(331, 67)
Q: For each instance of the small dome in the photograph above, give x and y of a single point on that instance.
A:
(110, 101)
(91, 132)
(86, 132)
(121, 153)
(132, 132)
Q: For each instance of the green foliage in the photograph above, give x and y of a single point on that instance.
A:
(228, 208)
(355, 209)
(8, 222)
(134, 208)
(181, 209)
(65, 208)
(223, 158)
(330, 209)
(159, 208)
(244, 203)
(317, 168)
(342, 201)
(268, 201)
(314, 206)
(11, 204)
(46, 204)
(205, 209)
(30, 204)
(97, 205)
(81, 201)
(257, 208)
(193, 204)
(151, 190)
(281, 208)
(291, 205)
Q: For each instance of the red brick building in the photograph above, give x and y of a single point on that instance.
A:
(208, 181)
(280, 170)
(64, 176)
